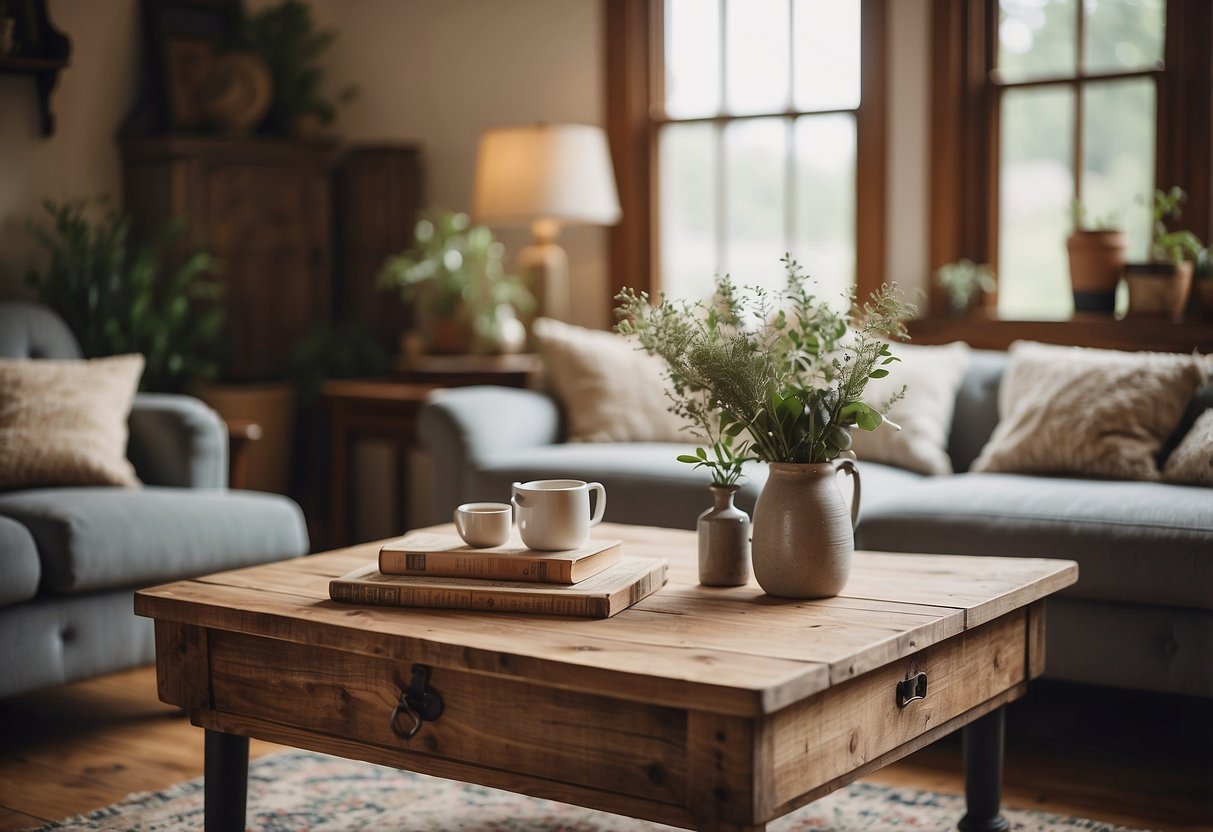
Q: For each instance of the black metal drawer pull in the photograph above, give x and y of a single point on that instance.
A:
(419, 701)
(913, 688)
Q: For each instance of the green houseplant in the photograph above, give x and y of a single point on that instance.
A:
(965, 282)
(1096, 252)
(287, 39)
(118, 295)
(1159, 288)
(455, 275)
(786, 373)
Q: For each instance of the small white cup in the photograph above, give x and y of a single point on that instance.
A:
(555, 514)
(482, 525)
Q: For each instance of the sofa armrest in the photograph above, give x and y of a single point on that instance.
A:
(177, 441)
(460, 428)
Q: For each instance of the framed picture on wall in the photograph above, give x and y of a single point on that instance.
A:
(182, 37)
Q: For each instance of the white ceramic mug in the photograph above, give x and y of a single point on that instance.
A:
(484, 524)
(555, 514)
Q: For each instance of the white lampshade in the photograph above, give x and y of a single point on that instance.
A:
(558, 172)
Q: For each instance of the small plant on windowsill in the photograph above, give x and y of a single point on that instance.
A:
(1096, 250)
(1159, 288)
(966, 283)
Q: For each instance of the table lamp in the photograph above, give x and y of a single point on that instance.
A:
(545, 175)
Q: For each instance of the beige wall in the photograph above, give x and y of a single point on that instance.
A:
(94, 96)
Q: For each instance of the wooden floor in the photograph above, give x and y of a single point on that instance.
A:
(1132, 759)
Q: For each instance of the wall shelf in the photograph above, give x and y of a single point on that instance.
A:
(40, 51)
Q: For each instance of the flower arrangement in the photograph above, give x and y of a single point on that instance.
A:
(770, 376)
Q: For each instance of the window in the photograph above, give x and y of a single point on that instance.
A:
(1039, 102)
(738, 128)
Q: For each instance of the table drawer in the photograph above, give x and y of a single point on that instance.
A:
(823, 738)
(488, 721)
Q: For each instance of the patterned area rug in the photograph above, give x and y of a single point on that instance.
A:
(298, 791)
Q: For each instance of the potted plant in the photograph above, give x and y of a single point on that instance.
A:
(787, 372)
(1159, 288)
(965, 282)
(455, 274)
(286, 38)
(1097, 257)
(119, 295)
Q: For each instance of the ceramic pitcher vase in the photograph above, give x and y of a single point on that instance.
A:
(803, 534)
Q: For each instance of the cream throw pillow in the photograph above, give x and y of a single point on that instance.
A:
(1191, 463)
(931, 376)
(611, 390)
(1088, 412)
(64, 422)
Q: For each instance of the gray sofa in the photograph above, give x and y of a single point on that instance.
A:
(71, 558)
(1140, 616)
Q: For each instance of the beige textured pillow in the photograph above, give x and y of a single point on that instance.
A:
(1086, 412)
(611, 390)
(64, 422)
(931, 376)
(1191, 463)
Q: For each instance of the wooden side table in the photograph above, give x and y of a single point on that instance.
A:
(368, 409)
(522, 370)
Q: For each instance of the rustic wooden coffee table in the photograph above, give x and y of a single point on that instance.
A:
(712, 709)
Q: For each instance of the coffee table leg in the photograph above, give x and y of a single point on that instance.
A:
(983, 747)
(226, 781)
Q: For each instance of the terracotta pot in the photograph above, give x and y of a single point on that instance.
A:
(803, 534)
(1158, 290)
(1096, 261)
(724, 541)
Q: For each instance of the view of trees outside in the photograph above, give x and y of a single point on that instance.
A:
(735, 195)
(1039, 39)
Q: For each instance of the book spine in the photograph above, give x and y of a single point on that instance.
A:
(447, 565)
(387, 595)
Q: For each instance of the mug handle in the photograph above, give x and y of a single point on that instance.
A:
(849, 466)
(600, 505)
(514, 496)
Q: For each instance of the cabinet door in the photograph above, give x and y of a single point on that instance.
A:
(269, 223)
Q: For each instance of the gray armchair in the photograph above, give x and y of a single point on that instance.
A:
(71, 558)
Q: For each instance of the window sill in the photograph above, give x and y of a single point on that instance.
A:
(981, 332)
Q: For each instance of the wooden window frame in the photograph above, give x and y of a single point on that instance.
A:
(964, 157)
(633, 41)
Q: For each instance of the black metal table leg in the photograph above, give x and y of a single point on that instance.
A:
(983, 747)
(226, 781)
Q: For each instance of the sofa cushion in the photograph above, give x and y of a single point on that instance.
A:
(19, 568)
(1134, 542)
(611, 390)
(1192, 461)
(930, 376)
(98, 538)
(1088, 412)
(65, 422)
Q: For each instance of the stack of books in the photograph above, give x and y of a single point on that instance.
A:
(434, 570)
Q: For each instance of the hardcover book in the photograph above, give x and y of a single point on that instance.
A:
(442, 555)
(601, 596)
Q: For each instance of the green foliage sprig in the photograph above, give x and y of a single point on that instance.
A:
(118, 296)
(783, 368)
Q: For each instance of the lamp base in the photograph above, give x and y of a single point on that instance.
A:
(545, 267)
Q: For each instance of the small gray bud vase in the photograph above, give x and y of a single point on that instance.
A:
(724, 541)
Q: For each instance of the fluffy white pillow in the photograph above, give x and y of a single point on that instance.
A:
(611, 390)
(931, 376)
(1088, 412)
(1191, 463)
(64, 422)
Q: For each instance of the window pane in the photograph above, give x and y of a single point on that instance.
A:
(1037, 38)
(1118, 157)
(756, 55)
(687, 165)
(1036, 186)
(692, 58)
(1124, 34)
(824, 203)
(826, 57)
(755, 197)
